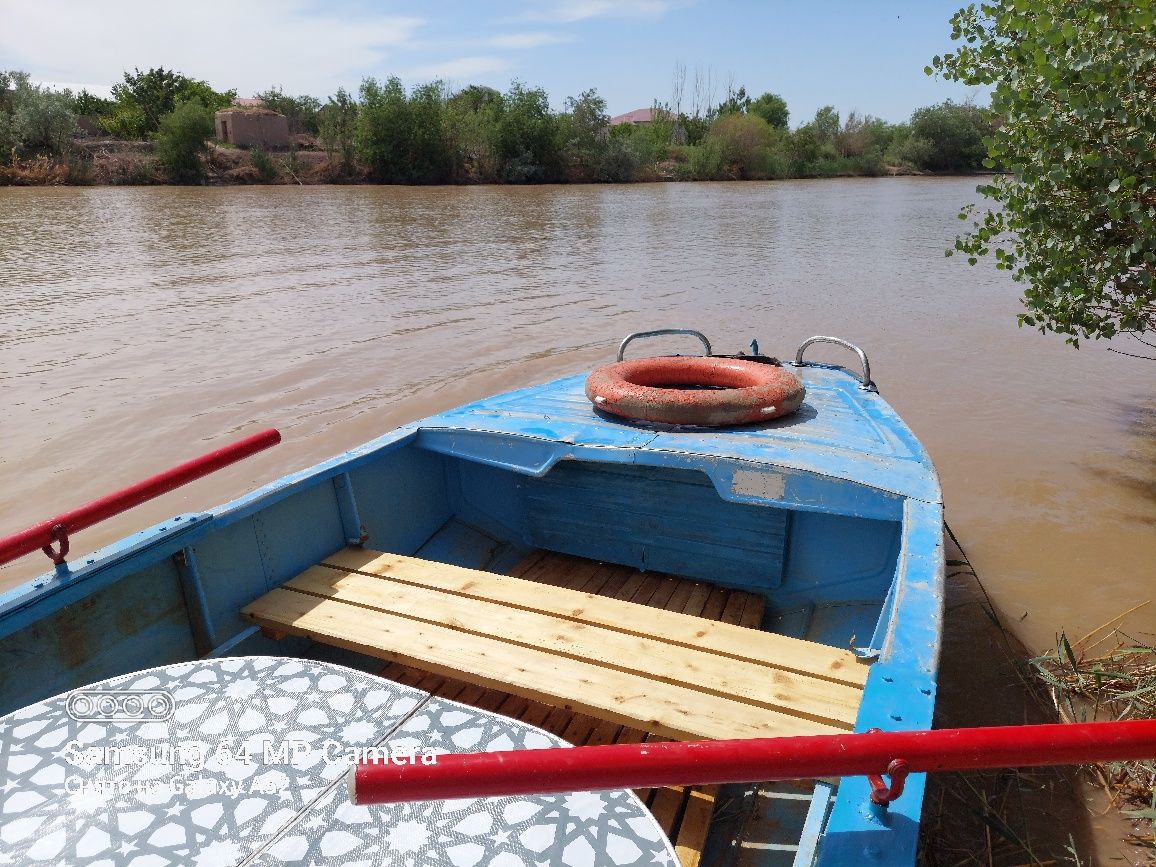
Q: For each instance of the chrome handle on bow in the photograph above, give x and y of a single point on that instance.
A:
(662, 332)
(865, 382)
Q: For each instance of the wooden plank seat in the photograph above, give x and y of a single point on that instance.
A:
(685, 814)
(660, 671)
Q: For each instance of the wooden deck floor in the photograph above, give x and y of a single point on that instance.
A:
(684, 814)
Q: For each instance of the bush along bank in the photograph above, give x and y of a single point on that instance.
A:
(159, 125)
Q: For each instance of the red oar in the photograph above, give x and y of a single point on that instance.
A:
(644, 766)
(58, 529)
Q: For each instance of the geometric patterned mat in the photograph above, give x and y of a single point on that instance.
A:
(249, 770)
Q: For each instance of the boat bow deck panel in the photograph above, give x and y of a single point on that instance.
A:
(840, 431)
(571, 649)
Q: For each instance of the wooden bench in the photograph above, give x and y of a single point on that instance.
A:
(657, 671)
(684, 814)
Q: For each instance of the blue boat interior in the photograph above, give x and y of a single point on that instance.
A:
(832, 514)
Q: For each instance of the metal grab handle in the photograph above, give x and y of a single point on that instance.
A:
(865, 382)
(662, 332)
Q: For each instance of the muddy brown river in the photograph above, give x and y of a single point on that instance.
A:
(140, 327)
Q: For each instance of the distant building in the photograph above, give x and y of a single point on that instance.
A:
(248, 102)
(639, 116)
(249, 127)
(645, 116)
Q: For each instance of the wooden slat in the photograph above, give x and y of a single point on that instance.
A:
(607, 693)
(686, 817)
(666, 805)
(695, 825)
(535, 713)
(529, 561)
(790, 654)
(753, 683)
(753, 612)
(697, 600)
(603, 733)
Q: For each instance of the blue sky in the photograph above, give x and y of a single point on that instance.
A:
(867, 55)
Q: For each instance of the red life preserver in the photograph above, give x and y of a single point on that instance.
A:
(734, 392)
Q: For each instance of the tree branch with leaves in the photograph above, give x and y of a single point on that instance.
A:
(1074, 92)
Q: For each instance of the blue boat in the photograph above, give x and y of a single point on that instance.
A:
(601, 578)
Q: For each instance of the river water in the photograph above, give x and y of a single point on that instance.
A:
(140, 327)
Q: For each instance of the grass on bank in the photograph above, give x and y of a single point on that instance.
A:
(1110, 678)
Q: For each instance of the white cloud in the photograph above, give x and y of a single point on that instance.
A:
(250, 45)
(462, 67)
(528, 40)
(569, 11)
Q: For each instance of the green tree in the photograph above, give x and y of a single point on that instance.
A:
(737, 102)
(526, 136)
(143, 98)
(586, 124)
(337, 128)
(471, 129)
(955, 134)
(180, 140)
(401, 139)
(34, 119)
(301, 112)
(618, 162)
(772, 108)
(384, 131)
(430, 157)
(90, 104)
(1074, 91)
(826, 125)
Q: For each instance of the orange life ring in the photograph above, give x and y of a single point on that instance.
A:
(732, 391)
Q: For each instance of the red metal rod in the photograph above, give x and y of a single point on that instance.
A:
(645, 766)
(40, 535)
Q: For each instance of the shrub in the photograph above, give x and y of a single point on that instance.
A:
(704, 161)
(180, 140)
(337, 129)
(263, 163)
(955, 135)
(33, 119)
(618, 162)
(744, 144)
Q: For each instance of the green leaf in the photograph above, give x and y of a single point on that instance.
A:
(1114, 185)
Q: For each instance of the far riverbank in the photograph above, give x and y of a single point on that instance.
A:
(127, 163)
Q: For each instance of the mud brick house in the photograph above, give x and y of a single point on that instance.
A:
(251, 126)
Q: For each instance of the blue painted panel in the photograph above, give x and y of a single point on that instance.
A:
(137, 622)
(299, 531)
(842, 624)
(488, 497)
(754, 480)
(916, 629)
(833, 557)
(402, 498)
(654, 518)
(233, 574)
(465, 545)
